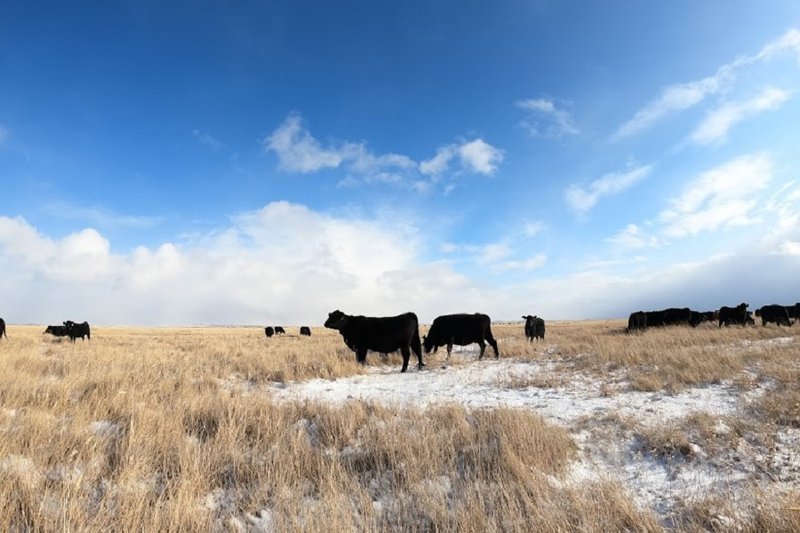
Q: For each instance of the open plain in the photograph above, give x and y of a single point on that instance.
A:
(220, 428)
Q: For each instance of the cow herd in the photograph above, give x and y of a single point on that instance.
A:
(70, 329)
(782, 315)
(269, 331)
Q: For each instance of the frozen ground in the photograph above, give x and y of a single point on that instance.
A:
(605, 417)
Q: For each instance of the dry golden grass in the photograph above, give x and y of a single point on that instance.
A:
(170, 430)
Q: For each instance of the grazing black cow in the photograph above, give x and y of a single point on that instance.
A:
(3, 329)
(75, 330)
(774, 313)
(534, 327)
(379, 334)
(655, 318)
(637, 320)
(461, 329)
(305, 330)
(269, 331)
(699, 317)
(735, 315)
(794, 311)
(675, 316)
(279, 329)
(56, 331)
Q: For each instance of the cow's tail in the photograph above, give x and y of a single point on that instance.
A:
(88, 332)
(416, 344)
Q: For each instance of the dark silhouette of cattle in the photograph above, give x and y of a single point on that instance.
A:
(734, 315)
(269, 331)
(75, 330)
(794, 311)
(379, 334)
(460, 329)
(3, 329)
(698, 317)
(534, 327)
(774, 313)
(279, 329)
(56, 331)
(677, 316)
(305, 330)
(637, 320)
(655, 318)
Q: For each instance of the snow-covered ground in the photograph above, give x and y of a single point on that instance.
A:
(603, 414)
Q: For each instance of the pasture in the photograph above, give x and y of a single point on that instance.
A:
(222, 429)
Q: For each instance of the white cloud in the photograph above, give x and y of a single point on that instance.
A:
(299, 151)
(790, 248)
(683, 96)
(633, 237)
(721, 197)
(531, 263)
(100, 216)
(206, 139)
(531, 229)
(476, 156)
(545, 119)
(716, 125)
(581, 200)
(480, 156)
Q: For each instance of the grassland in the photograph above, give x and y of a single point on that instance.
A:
(176, 429)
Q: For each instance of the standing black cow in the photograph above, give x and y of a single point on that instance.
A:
(56, 331)
(75, 330)
(794, 311)
(269, 331)
(279, 329)
(675, 316)
(734, 315)
(379, 334)
(461, 329)
(534, 327)
(637, 320)
(3, 329)
(305, 330)
(655, 318)
(774, 313)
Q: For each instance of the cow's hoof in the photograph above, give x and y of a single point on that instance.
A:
(403, 369)
(421, 366)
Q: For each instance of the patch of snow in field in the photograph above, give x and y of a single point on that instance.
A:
(104, 428)
(480, 384)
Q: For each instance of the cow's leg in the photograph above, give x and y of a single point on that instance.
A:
(361, 355)
(483, 348)
(404, 349)
(493, 344)
(449, 349)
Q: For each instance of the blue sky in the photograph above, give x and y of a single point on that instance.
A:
(268, 162)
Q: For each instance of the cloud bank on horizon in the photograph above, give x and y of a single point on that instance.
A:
(270, 196)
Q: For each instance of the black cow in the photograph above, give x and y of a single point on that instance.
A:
(279, 329)
(534, 327)
(655, 318)
(774, 313)
(269, 331)
(3, 329)
(734, 315)
(56, 331)
(379, 334)
(794, 311)
(637, 320)
(674, 316)
(461, 329)
(305, 330)
(75, 330)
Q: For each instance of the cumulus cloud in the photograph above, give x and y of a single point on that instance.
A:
(715, 127)
(581, 199)
(298, 151)
(476, 156)
(544, 119)
(720, 197)
(633, 237)
(682, 96)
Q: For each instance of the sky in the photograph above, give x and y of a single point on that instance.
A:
(178, 163)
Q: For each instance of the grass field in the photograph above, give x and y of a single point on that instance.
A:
(196, 429)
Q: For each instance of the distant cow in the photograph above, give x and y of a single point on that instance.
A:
(794, 311)
(75, 330)
(637, 320)
(675, 316)
(534, 327)
(305, 330)
(461, 329)
(269, 331)
(734, 315)
(774, 313)
(56, 331)
(3, 329)
(279, 329)
(655, 318)
(379, 334)
(698, 317)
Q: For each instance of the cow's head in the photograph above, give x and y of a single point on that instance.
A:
(48, 330)
(427, 344)
(336, 320)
